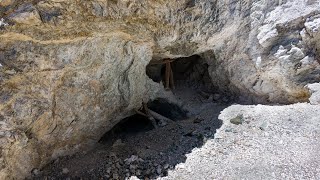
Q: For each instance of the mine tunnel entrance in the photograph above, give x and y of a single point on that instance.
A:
(157, 136)
(190, 72)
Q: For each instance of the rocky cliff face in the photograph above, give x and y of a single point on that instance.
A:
(70, 70)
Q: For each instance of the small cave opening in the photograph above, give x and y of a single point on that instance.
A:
(128, 126)
(141, 123)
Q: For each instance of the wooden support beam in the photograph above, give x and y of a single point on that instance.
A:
(159, 116)
(141, 113)
(161, 62)
(168, 72)
(171, 79)
(148, 114)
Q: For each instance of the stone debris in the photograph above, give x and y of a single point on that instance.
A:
(237, 120)
(263, 126)
(314, 90)
(132, 159)
(65, 170)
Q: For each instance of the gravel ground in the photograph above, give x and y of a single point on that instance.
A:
(271, 142)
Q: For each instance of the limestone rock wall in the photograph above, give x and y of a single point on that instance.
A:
(70, 70)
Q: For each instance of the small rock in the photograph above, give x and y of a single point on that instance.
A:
(118, 143)
(225, 99)
(107, 176)
(159, 170)
(65, 170)
(133, 168)
(148, 172)
(216, 97)
(166, 166)
(134, 178)
(35, 172)
(118, 165)
(115, 176)
(180, 166)
(109, 170)
(210, 99)
(228, 130)
(155, 164)
(237, 120)
(133, 158)
(162, 123)
(10, 72)
(263, 126)
(138, 172)
(198, 120)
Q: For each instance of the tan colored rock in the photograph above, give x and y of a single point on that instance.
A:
(28, 18)
(6, 2)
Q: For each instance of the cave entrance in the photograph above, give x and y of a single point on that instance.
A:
(187, 72)
(159, 135)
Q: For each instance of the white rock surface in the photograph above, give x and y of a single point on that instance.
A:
(286, 148)
(315, 93)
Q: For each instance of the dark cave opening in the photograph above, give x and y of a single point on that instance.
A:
(130, 125)
(191, 72)
(138, 123)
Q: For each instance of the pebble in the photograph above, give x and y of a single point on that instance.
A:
(216, 97)
(263, 126)
(138, 172)
(148, 172)
(35, 172)
(118, 143)
(237, 120)
(65, 170)
(225, 99)
(115, 176)
(10, 72)
(159, 170)
(198, 120)
(118, 165)
(109, 170)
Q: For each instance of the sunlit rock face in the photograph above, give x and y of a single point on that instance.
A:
(70, 70)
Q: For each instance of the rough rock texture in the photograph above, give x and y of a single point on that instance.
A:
(72, 69)
(274, 142)
(315, 93)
